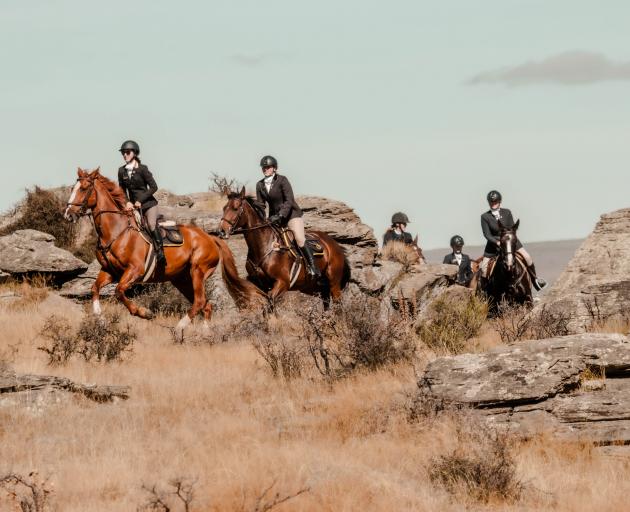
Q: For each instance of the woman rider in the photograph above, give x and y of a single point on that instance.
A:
(275, 190)
(137, 181)
(492, 232)
(397, 233)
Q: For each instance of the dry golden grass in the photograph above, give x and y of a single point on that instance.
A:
(214, 413)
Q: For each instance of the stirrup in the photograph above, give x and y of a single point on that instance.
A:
(539, 283)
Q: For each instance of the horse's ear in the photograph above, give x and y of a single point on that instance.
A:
(97, 170)
(415, 241)
(516, 224)
(80, 172)
(501, 226)
(243, 192)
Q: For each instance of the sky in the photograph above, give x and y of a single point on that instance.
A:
(420, 106)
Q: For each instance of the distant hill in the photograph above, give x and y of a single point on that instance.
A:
(550, 257)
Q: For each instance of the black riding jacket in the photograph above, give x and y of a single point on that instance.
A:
(492, 232)
(465, 273)
(139, 187)
(279, 198)
(392, 236)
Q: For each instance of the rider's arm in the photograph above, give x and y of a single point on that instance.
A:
(447, 259)
(487, 233)
(143, 195)
(289, 200)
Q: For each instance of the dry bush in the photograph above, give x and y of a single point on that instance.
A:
(43, 211)
(452, 323)
(30, 493)
(104, 339)
(223, 185)
(268, 500)
(518, 322)
(482, 466)
(86, 250)
(284, 358)
(164, 299)
(30, 291)
(356, 334)
(178, 496)
(401, 253)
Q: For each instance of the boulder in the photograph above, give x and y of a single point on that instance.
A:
(28, 251)
(421, 284)
(596, 283)
(543, 385)
(81, 286)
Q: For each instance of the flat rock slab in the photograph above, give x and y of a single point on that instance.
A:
(11, 382)
(536, 386)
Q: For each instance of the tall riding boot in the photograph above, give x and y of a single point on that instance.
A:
(159, 246)
(312, 269)
(538, 282)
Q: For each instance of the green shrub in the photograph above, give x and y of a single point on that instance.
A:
(452, 323)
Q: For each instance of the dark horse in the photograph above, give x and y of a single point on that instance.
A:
(509, 281)
(270, 260)
(122, 252)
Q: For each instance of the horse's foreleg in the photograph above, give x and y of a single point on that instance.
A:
(279, 287)
(130, 276)
(103, 279)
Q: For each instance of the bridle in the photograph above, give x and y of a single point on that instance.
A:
(234, 230)
(83, 205)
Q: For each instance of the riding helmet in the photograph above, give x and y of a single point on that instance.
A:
(131, 145)
(457, 241)
(494, 197)
(268, 161)
(400, 218)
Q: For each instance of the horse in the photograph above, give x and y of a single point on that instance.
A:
(272, 263)
(508, 280)
(123, 248)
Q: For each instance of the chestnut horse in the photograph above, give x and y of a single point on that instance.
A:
(269, 261)
(509, 281)
(122, 250)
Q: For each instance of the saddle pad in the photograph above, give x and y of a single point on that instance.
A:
(311, 240)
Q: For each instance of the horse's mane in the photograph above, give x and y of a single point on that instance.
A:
(251, 200)
(117, 193)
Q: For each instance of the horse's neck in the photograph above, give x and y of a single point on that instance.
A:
(258, 240)
(108, 226)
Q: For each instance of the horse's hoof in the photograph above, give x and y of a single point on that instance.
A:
(145, 313)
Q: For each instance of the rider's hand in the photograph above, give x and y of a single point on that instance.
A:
(275, 219)
(129, 206)
(137, 204)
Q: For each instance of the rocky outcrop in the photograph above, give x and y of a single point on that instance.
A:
(28, 251)
(11, 382)
(81, 286)
(596, 283)
(574, 386)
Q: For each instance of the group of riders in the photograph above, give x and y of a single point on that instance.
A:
(274, 190)
(491, 221)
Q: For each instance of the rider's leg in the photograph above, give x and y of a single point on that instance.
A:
(296, 225)
(484, 266)
(538, 282)
(151, 217)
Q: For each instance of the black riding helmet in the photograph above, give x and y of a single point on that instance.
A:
(268, 161)
(130, 145)
(457, 241)
(494, 196)
(400, 218)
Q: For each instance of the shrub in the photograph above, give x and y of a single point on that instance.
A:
(452, 323)
(356, 334)
(30, 493)
(482, 466)
(102, 339)
(517, 323)
(402, 253)
(179, 495)
(43, 211)
(284, 358)
(163, 298)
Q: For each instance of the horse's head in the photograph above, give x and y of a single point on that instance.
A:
(509, 241)
(233, 210)
(83, 196)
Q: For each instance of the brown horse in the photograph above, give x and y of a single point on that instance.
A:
(270, 261)
(122, 251)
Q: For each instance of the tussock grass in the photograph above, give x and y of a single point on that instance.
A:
(400, 253)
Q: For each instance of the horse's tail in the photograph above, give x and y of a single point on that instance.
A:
(242, 291)
(345, 278)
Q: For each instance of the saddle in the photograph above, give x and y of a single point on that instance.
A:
(290, 244)
(171, 235)
(493, 263)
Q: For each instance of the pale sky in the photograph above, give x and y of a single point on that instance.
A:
(419, 106)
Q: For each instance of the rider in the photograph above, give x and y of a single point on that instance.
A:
(465, 273)
(138, 184)
(396, 232)
(275, 190)
(491, 231)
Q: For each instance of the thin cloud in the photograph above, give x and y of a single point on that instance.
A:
(569, 68)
